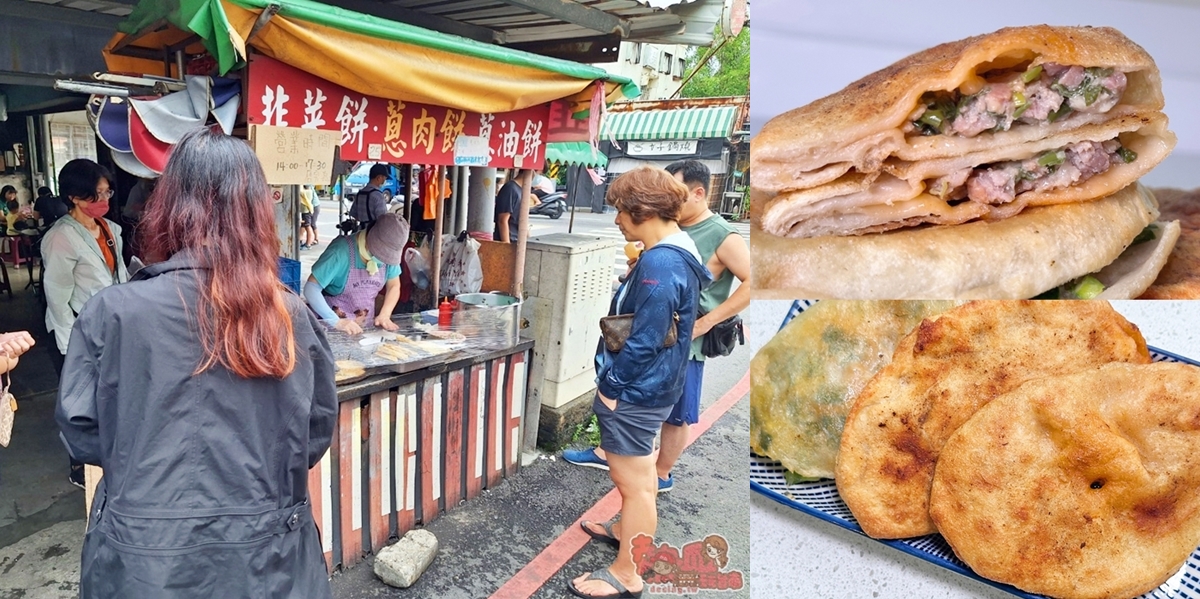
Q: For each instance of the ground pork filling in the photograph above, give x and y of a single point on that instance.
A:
(1000, 183)
(1040, 94)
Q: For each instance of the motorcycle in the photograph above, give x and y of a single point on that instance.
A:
(552, 205)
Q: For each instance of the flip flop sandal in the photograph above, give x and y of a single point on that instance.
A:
(604, 575)
(608, 537)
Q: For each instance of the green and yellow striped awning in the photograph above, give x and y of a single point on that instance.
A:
(574, 153)
(682, 123)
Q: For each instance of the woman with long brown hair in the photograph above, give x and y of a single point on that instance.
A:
(205, 390)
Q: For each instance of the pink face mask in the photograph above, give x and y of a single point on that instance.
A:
(95, 209)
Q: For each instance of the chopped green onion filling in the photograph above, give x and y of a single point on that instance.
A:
(934, 118)
(937, 116)
(792, 478)
(1032, 74)
(1147, 234)
(1126, 154)
(1062, 111)
(1088, 288)
(1019, 98)
(1054, 158)
(1090, 88)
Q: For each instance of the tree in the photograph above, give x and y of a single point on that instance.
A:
(725, 73)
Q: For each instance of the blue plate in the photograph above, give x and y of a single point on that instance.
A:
(821, 500)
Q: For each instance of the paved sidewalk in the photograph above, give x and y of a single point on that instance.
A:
(487, 541)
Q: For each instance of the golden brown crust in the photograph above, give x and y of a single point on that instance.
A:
(1018, 257)
(1079, 486)
(825, 131)
(1180, 279)
(805, 378)
(943, 372)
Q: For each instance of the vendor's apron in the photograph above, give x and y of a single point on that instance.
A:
(361, 287)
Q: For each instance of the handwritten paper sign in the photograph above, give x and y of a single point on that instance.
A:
(471, 150)
(292, 156)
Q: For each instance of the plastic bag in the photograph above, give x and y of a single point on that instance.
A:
(461, 270)
(417, 267)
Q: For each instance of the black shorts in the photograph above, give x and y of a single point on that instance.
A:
(306, 219)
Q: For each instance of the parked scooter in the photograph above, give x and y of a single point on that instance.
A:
(552, 205)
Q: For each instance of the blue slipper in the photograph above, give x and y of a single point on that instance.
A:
(585, 457)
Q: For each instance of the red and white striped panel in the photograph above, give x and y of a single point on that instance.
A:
(350, 484)
(397, 450)
(320, 493)
(378, 475)
(516, 410)
(476, 399)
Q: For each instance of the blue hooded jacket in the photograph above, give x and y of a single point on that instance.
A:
(667, 279)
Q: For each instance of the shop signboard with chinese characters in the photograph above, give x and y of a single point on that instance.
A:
(561, 125)
(661, 147)
(385, 130)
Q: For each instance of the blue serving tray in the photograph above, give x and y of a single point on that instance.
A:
(820, 499)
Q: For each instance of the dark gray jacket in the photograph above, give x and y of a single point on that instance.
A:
(205, 477)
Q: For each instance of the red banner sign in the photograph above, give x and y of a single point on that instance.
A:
(561, 126)
(391, 131)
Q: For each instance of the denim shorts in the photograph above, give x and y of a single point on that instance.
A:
(687, 409)
(629, 430)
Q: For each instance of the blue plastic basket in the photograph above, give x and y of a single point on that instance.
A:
(289, 273)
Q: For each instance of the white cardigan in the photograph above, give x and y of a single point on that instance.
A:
(75, 270)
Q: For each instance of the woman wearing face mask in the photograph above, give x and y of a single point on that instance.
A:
(81, 254)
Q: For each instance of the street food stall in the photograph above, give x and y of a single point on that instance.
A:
(431, 414)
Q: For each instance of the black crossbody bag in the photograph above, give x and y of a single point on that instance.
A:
(720, 340)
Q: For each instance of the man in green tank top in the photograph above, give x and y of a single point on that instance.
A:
(727, 256)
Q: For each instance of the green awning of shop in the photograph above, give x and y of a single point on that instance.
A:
(574, 153)
(682, 123)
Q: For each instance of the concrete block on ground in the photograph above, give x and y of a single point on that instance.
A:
(400, 565)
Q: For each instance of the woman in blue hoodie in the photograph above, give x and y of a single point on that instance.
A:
(638, 386)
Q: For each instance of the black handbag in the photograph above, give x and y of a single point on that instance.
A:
(721, 339)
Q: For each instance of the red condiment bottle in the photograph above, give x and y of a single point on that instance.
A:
(445, 313)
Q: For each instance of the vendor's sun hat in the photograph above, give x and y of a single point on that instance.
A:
(387, 237)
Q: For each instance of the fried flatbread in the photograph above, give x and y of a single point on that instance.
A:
(348, 370)
(853, 162)
(860, 126)
(901, 195)
(943, 372)
(1180, 278)
(1078, 486)
(1018, 257)
(803, 381)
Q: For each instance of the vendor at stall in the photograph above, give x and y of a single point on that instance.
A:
(351, 272)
